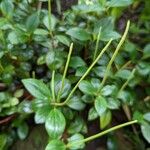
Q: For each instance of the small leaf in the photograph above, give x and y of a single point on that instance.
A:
(55, 124)
(22, 131)
(76, 125)
(32, 22)
(3, 141)
(37, 88)
(147, 116)
(79, 34)
(146, 132)
(87, 88)
(92, 115)
(76, 103)
(108, 90)
(76, 62)
(63, 39)
(113, 103)
(7, 8)
(120, 3)
(100, 105)
(146, 53)
(76, 137)
(105, 119)
(123, 74)
(55, 145)
(42, 114)
(53, 22)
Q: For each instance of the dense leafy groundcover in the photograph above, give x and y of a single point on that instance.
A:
(73, 68)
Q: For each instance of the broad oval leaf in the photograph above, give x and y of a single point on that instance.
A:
(42, 114)
(146, 132)
(79, 34)
(55, 145)
(32, 22)
(87, 88)
(105, 119)
(92, 115)
(76, 103)
(100, 105)
(55, 124)
(76, 137)
(37, 88)
(120, 3)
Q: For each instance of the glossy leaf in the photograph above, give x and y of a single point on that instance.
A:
(55, 145)
(120, 3)
(42, 114)
(100, 105)
(92, 114)
(74, 138)
(105, 119)
(146, 131)
(55, 124)
(79, 34)
(32, 22)
(87, 88)
(37, 88)
(22, 131)
(76, 103)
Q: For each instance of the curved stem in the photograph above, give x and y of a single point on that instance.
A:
(101, 133)
(97, 43)
(115, 54)
(85, 74)
(65, 72)
(53, 85)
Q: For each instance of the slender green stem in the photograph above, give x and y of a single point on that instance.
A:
(65, 72)
(85, 74)
(114, 55)
(127, 81)
(101, 133)
(97, 43)
(49, 17)
(53, 85)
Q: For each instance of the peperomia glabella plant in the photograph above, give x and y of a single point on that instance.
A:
(51, 100)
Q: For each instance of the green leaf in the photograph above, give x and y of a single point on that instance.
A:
(138, 116)
(105, 119)
(79, 34)
(42, 114)
(55, 124)
(54, 60)
(76, 103)
(146, 53)
(7, 8)
(87, 88)
(40, 31)
(37, 88)
(107, 35)
(92, 115)
(76, 125)
(100, 105)
(22, 131)
(74, 138)
(109, 90)
(32, 22)
(53, 23)
(83, 8)
(146, 131)
(63, 39)
(76, 62)
(113, 103)
(3, 141)
(58, 84)
(120, 3)
(147, 116)
(55, 145)
(123, 74)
